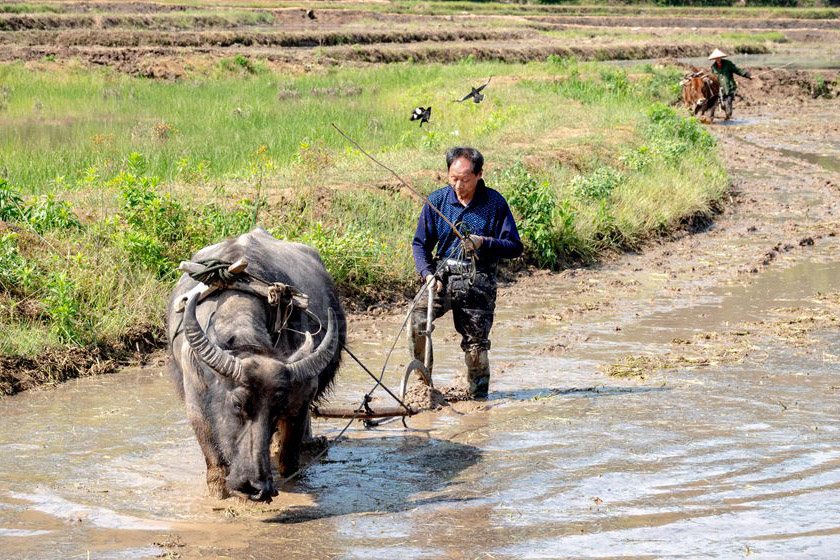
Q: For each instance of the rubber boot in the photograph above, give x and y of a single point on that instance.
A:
(478, 373)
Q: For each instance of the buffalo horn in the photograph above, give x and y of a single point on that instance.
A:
(313, 364)
(219, 360)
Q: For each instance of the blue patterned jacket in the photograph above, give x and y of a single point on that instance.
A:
(487, 215)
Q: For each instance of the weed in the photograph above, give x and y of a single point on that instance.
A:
(313, 157)
(17, 274)
(616, 81)
(131, 181)
(164, 131)
(534, 202)
(353, 256)
(568, 242)
(637, 159)
(561, 62)
(146, 251)
(821, 87)
(242, 64)
(12, 208)
(62, 306)
(597, 185)
(194, 172)
(48, 213)
(608, 234)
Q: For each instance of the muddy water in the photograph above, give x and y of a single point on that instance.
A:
(721, 459)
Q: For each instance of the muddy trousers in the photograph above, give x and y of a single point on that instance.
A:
(726, 101)
(473, 303)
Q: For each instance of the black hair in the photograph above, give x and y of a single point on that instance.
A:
(467, 152)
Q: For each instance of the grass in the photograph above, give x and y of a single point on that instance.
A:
(111, 180)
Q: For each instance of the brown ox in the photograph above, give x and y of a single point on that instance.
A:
(701, 91)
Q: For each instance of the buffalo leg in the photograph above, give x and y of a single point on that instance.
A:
(308, 441)
(216, 476)
(216, 469)
(290, 432)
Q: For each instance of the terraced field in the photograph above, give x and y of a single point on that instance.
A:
(167, 40)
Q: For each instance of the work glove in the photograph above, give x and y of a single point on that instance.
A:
(747, 75)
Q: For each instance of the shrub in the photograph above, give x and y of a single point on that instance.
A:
(598, 185)
(147, 251)
(535, 202)
(48, 213)
(12, 207)
(568, 242)
(17, 274)
(62, 306)
(355, 256)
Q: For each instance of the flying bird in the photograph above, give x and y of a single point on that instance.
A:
(475, 94)
(311, 14)
(421, 114)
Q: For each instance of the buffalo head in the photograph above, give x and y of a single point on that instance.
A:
(245, 391)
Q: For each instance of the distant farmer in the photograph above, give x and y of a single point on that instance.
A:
(724, 70)
(465, 272)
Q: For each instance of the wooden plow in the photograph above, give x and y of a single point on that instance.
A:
(424, 369)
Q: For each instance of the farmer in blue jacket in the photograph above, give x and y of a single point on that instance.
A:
(466, 271)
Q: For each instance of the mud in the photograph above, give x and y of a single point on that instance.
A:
(225, 39)
(715, 437)
(21, 373)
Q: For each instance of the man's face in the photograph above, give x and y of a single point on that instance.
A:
(462, 178)
(718, 62)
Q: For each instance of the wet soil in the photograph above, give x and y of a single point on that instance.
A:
(677, 402)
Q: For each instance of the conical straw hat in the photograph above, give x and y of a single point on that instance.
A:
(717, 53)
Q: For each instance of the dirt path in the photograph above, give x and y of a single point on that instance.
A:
(676, 403)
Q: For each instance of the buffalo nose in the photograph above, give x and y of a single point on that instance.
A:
(261, 490)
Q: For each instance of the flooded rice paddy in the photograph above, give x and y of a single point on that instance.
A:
(724, 444)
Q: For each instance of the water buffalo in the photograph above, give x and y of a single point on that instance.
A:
(701, 92)
(240, 382)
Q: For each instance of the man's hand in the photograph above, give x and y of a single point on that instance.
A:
(473, 242)
(438, 283)
(748, 76)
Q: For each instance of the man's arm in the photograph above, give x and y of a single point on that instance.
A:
(505, 242)
(740, 72)
(425, 238)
